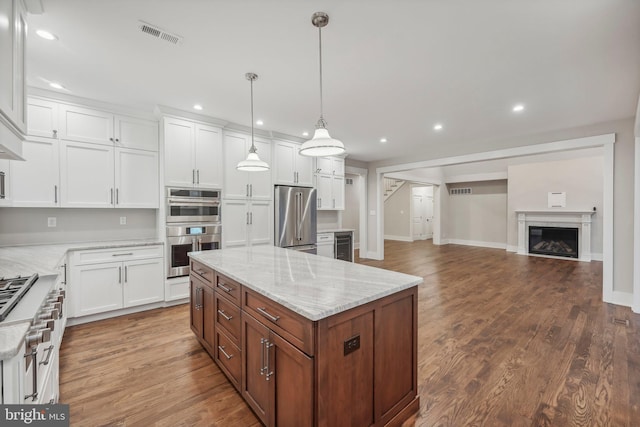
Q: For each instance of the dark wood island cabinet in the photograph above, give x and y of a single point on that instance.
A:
(308, 340)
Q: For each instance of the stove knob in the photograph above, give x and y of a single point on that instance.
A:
(37, 334)
(49, 313)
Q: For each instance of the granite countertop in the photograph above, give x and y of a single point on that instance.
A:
(313, 286)
(12, 339)
(44, 259)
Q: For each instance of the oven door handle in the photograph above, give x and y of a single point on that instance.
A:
(178, 202)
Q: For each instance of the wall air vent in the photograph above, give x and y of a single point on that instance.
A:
(349, 181)
(159, 33)
(460, 191)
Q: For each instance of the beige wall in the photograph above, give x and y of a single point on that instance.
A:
(351, 213)
(25, 226)
(480, 217)
(581, 179)
(397, 213)
(622, 179)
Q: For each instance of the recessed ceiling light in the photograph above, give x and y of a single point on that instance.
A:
(305, 133)
(56, 85)
(197, 107)
(46, 35)
(383, 140)
(437, 126)
(518, 108)
(259, 122)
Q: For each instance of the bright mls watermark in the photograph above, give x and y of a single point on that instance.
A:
(34, 415)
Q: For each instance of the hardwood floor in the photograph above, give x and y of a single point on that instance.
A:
(504, 340)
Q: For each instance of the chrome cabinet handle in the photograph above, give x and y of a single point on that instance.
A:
(193, 176)
(319, 202)
(268, 372)
(49, 351)
(247, 190)
(117, 196)
(223, 314)
(2, 195)
(126, 269)
(197, 176)
(55, 194)
(112, 196)
(119, 274)
(262, 366)
(34, 367)
(250, 190)
(124, 254)
(265, 313)
(64, 280)
(247, 218)
(221, 348)
(55, 133)
(199, 272)
(250, 217)
(224, 288)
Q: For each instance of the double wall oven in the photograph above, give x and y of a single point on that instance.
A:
(193, 224)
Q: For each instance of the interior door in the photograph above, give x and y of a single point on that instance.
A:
(418, 217)
(428, 224)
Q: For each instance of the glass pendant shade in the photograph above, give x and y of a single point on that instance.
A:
(322, 145)
(252, 164)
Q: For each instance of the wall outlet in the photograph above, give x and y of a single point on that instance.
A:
(372, 213)
(123, 220)
(51, 221)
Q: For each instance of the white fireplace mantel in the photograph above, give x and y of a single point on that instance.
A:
(556, 218)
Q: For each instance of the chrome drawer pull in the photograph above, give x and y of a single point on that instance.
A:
(268, 315)
(262, 366)
(127, 254)
(49, 351)
(223, 314)
(200, 272)
(224, 288)
(221, 348)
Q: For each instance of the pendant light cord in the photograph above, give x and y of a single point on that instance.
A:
(321, 122)
(253, 147)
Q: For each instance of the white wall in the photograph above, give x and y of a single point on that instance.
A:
(397, 214)
(581, 179)
(480, 218)
(25, 226)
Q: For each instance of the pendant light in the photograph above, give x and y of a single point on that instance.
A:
(252, 163)
(321, 144)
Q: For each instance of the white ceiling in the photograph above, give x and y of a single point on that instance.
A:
(391, 68)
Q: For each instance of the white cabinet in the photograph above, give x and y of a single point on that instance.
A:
(326, 245)
(193, 154)
(86, 175)
(86, 125)
(247, 223)
(35, 182)
(245, 185)
(291, 168)
(130, 132)
(43, 118)
(330, 183)
(111, 279)
(5, 183)
(136, 178)
(13, 37)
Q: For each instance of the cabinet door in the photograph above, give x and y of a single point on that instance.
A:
(255, 387)
(35, 182)
(208, 316)
(337, 188)
(43, 118)
(304, 167)
(196, 300)
(136, 133)
(143, 282)
(323, 165)
(235, 149)
(7, 52)
(86, 175)
(260, 219)
(208, 156)
(284, 162)
(236, 220)
(261, 187)
(5, 186)
(179, 153)
(97, 288)
(291, 383)
(337, 166)
(20, 80)
(86, 125)
(324, 192)
(136, 179)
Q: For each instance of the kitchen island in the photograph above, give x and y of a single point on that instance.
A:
(309, 340)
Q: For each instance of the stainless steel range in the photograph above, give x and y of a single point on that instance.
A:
(34, 305)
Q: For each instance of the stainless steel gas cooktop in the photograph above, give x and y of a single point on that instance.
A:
(11, 291)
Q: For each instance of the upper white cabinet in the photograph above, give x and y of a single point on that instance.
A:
(13, 37)
(130, 132)
(245, 185)
(193, 154)
(43, 118)
(87, 175)
(86, 125)
(330, 183)
(289, 167)
(136, 178)
(35, 182)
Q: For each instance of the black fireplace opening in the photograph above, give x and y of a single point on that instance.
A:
(556, 241)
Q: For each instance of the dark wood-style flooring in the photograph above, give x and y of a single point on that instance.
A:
(504, 340)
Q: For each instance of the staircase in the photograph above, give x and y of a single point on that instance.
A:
(391, 186)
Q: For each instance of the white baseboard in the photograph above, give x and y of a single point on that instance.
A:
(596, 256)
(371, 255)
(398, 238)
(512, 248)
(619, 298)
(444, 241)
(356, 245)
(493, 245)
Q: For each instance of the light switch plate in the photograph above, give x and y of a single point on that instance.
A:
(123, 220)
(51, 221)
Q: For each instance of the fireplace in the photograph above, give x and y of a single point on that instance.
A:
(556, 241)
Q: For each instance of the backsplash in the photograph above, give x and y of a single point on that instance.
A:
(26, 226)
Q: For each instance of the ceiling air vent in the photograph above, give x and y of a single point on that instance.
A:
(159, 33)
(461, 191)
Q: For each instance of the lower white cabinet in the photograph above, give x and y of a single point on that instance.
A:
(325, 245)
(105, 280)
(247, 223)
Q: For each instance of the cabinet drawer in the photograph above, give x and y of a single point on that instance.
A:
(325, 237)
(228, 318)
(288, 324)
(229, 288)
(228, 356)
(120, 254)
(202, 272)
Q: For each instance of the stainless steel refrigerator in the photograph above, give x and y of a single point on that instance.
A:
(295, 218)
